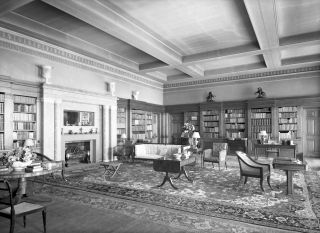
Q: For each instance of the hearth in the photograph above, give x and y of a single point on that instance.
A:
(77, 152)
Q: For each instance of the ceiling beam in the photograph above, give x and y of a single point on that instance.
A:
(107, 18)
(233, 69)
(305, 39)
(153, 66)
(263, 16)
(10, 5)
(234, 52)
(301, 59)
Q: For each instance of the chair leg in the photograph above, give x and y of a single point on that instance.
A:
(44, 219)
(261, 184)
(245, 179)
(225, 164)
(240, 180)
(12, 222)
(212, 164)
(24, 221)
(268, 180)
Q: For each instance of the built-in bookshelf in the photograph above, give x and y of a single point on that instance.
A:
(260, 120)
(288, 123)
(211, 119)
(193, 118)
(149, 126)
(138, 125)
(121, 121)
(24, 119)
(235, 123)
(2, 100)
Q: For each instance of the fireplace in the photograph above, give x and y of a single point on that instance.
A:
(77, 152)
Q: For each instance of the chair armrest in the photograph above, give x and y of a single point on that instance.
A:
(222, 155)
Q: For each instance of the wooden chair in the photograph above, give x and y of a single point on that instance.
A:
(218, 154)
(10, 210)
(251, 168)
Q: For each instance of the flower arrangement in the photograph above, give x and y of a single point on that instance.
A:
(187, 130)
(21, 154)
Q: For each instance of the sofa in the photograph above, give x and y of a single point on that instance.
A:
(156, 151)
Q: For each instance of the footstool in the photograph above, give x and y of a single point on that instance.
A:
(111, 168)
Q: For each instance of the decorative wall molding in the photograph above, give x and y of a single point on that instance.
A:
(24, 44)
(276, 75)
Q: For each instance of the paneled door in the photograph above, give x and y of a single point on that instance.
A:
(311, 138)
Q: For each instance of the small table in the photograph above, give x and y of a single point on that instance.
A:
(289, 166)
(274, 146)
(22, 179)
(111, 168)
(171, 164)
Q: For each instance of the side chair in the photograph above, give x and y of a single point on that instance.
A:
(218, 154)
(251, 168)
(10, 210)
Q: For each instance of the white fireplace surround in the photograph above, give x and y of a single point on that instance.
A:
(55, 99)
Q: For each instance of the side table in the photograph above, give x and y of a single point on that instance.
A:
(111, 168)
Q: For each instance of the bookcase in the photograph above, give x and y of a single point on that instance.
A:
(235, 122)
(211, 125)
(121, 121)
(261, 119)
(2, 100)
(138, 125)
(288, 122)
(24, 119)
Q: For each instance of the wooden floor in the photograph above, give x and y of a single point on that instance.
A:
(65, 217)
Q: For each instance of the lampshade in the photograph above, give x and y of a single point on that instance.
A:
(123, 136)
(263, 133)
(195, 135)
(28, 142)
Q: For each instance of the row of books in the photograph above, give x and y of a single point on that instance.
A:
(34, 167)
(1, 108)
(24, 126)
(22, 135)
(210, 124)
(211, 118)
(235, 126)
(288, 127)
(119, 110)
(24, 99)
(138, 116)
(138, 122)
(211, 135)
(1, 97)
(260, 110)
(260, 128)
(288, 109)
(24, 108)
(235, 134)
(24, 117)
(211, 130)
(121, 131)
(235, 120)
(259, 122)
(261, 115)
(138, 136)
(138, 128)
(1, 141)
(288, 115)
(235, 111)
(234, 115)
(288, 121)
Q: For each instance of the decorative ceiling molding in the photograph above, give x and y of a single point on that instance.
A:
(23, 44)
(311, 71)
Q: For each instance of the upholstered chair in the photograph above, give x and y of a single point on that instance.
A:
(218, 154)
(251, 168)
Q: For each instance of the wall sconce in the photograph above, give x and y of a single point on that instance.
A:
(46, 73)
(135, 95)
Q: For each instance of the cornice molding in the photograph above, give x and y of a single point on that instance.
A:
(24, 44)
(275, 75)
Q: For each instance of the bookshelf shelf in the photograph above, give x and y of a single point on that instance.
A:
(2, 100)
(211, 121)
(288, 122)
(261, 119)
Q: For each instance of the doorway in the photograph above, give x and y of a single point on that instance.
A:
(311, 133)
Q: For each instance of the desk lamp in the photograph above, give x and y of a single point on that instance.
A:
(195, 137)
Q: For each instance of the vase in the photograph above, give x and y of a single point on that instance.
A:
(18, 166)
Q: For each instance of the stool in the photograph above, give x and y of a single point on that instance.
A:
(111, 168)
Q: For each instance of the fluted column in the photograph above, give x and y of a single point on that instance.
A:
(57, 129)
(105, 133)
(113, 129)
(48, 137)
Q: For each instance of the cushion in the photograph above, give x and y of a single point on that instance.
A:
(140, 150)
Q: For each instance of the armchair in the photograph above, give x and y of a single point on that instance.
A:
(251, 168)
(58, 164)
(218, 154)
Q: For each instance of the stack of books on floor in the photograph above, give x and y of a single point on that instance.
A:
(34, 167)
(4, 168)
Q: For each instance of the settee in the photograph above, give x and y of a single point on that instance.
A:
(156, 151)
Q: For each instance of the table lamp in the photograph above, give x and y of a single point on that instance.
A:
(28, 143)
(263, 136)
(123, 137)
(195, 137)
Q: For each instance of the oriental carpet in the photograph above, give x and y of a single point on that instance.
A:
(212, 193)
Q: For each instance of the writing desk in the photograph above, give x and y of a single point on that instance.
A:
(279, 147)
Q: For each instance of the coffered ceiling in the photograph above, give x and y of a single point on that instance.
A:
(176, 40)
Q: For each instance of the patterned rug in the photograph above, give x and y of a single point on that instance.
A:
(212, 193)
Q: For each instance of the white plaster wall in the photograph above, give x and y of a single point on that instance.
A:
(245, 91)
(25, 67)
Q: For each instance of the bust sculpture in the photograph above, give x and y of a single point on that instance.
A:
(260, 92)
(210, 97)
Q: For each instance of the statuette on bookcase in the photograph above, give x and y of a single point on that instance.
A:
(260, 93)
(210, 97)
